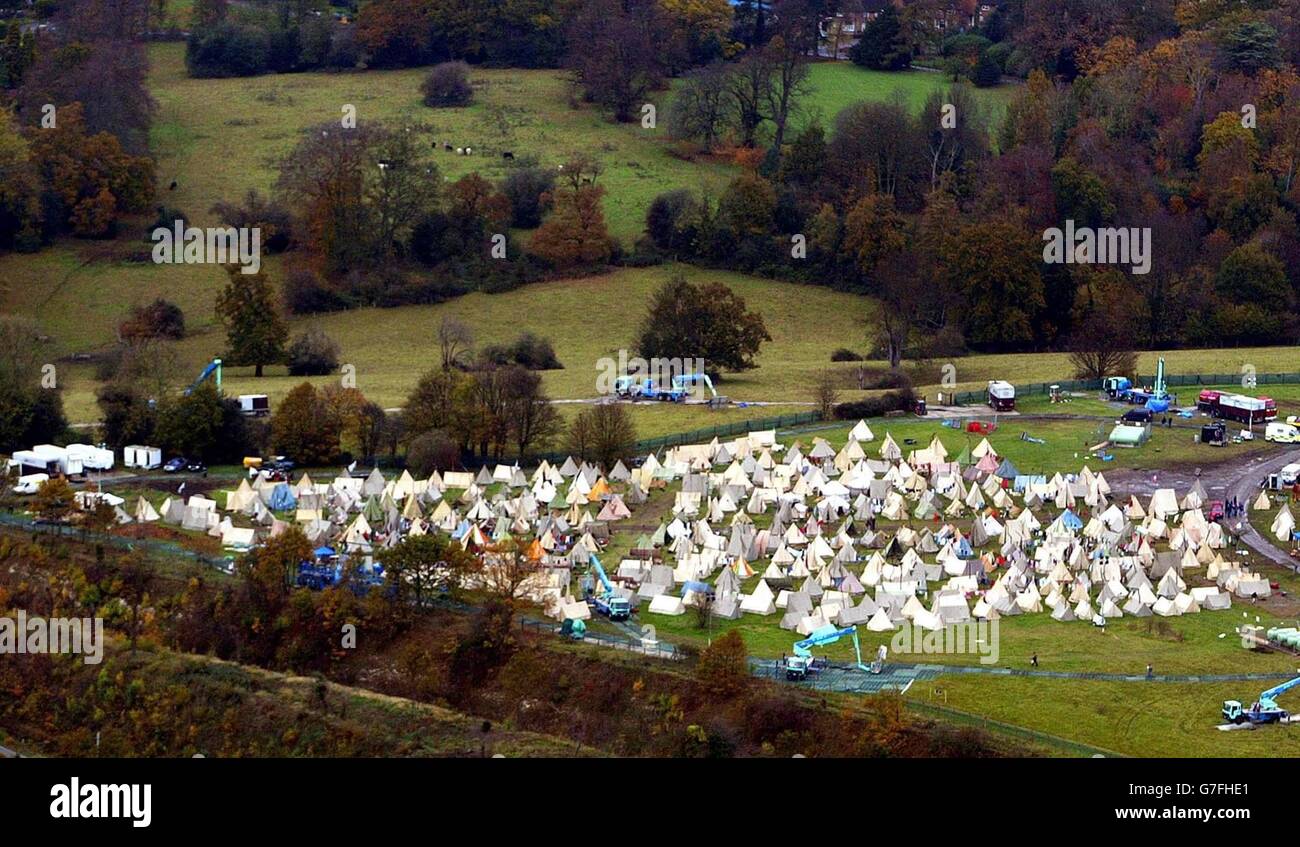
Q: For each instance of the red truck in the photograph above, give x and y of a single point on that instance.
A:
(1237, 407)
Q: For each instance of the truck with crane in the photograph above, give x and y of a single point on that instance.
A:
(1264, 710)
(1156, 398)
(611, 604)
(802, 663)
(678, 389)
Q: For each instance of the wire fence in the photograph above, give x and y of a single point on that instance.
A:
(76, 533)
(655, 650)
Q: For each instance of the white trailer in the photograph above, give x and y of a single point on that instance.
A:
(254, 405)
(143, 457)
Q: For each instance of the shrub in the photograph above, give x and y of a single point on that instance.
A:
(306, 293)
(430, 451)
(528, 190)
(873, 407)
(844, 354)
(228, 50)
(529, 350)
(670, 219)
(159, 319)
(986, 73)
(269, 216)
(313, 354)
(448, 85)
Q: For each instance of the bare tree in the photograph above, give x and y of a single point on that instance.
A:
(455, 340)
(900, 304)
(508, 573)
(826, 392)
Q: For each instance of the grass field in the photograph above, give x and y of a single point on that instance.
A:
(220, 137)
(587, 319)
(1064, 450)
(1132, 718)
(838, 84)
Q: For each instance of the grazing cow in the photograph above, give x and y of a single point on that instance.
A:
(460, 151)
(172, 187)
(507, 154)
(446, 146)
(469, 151)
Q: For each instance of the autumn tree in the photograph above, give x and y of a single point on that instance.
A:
(873, 229)
(255, 332)
(54, 499)
(91, 180)
(1105, 326)
(574, 234)
(29, 412)
(723, 667)
(304, 428)
(825, 392)
(421, 565)
(533, 422)
(710, 321)
(999, 268)
(190, 424)
(455, 340)
(360, 190)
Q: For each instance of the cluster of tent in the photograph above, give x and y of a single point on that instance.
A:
(971, 537)
(975, 539)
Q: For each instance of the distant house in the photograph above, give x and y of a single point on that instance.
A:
(841, 32)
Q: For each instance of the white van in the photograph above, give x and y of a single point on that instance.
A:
(1283, 433)
(31, 483)
(1289, 474)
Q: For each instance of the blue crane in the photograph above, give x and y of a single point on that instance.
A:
(1263, 710)
(612, 605)
(802, 662)
(213, 368)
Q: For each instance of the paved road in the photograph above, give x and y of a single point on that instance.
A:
(1237, 478)
(1245, 487)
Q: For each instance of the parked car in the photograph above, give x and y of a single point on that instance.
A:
(279, 463)
(1140, 415)
(195, 467)
(175, 465)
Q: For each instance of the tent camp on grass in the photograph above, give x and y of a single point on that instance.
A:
(795, 536)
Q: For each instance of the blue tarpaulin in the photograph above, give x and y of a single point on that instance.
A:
(282, 499)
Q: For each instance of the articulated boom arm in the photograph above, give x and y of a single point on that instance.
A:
(600, 574)
(1273, 693)
(683, 382)
(828, 635)
(213, 366)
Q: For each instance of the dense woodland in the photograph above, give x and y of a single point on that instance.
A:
(167, 685)
(1180, 117)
